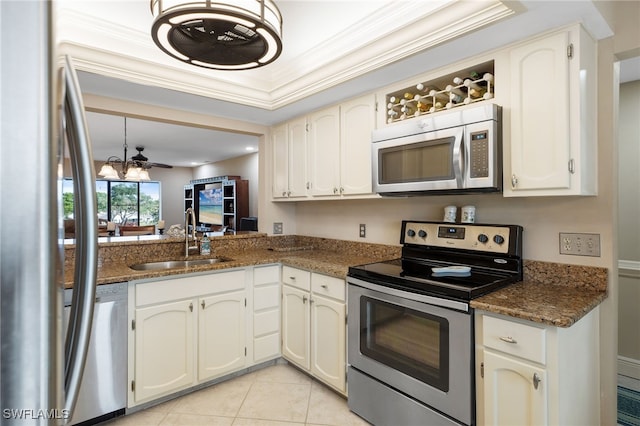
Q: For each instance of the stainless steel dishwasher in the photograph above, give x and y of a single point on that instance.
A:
(103, 391)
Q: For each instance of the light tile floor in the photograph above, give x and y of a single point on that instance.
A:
(278, 395)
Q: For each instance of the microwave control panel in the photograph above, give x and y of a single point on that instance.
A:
(479, 156)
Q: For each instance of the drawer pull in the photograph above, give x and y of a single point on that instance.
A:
(508, 339)
(304, 299)
(536, 380)
(324, 286)
(292, 278)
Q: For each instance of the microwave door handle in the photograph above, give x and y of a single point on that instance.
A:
(458, 158)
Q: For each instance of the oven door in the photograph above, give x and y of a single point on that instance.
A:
(425, 161)
(409, 343)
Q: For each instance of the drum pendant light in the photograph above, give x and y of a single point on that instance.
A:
(222, 35)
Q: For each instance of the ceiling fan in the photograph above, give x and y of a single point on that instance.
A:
(134, 169)
(142, 161)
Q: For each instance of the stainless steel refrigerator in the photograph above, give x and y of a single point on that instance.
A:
(40, 112)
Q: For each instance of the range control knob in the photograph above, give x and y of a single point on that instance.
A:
(483, 238)
(422, 233)
(411, 233)
(498, 239)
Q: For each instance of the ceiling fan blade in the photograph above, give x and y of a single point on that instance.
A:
(163, 166)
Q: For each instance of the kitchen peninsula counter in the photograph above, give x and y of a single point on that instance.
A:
(551, 293)
(325, 256)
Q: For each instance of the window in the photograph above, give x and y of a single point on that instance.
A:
(125, 203)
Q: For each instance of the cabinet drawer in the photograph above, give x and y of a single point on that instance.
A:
(266, 297)
(296, 277)
(514, 338)
(328, 286)
(266, 275)
(266, 322)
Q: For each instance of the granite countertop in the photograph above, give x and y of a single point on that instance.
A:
(551, 293)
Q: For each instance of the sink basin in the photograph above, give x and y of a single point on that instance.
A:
(171, 264)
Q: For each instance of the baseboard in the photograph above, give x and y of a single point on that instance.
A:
(629, 367)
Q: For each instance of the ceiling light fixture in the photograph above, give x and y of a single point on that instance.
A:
(132, 170)
(222, 35)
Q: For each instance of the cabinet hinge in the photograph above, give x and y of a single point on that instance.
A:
(482, 370)
(570, 51)
(245, 302)
(376, 106)
(133, 324)
(345, 319)
(133, 386)
(245, 351)
(572, 166)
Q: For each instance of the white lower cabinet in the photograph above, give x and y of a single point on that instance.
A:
(266, 313)
(221, 337)
(164, 349)
(534, 374)
(314, 324)
(185, 331)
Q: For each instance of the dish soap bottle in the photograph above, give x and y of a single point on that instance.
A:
(205, 245)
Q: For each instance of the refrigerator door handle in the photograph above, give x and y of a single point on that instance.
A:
(81, 315)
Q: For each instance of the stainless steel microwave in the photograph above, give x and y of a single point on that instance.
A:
(449, 152)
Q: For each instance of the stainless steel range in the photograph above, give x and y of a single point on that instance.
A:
(410, 326)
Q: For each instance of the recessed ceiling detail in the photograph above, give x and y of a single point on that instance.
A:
(393, 31)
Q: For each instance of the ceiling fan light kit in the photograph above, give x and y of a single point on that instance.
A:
(222, 35)
(134, 169)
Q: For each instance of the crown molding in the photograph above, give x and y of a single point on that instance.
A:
(119, 52)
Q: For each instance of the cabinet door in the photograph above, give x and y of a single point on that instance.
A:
(280, 141)
(357, 120)
(164, 349)
(324, 152)
(328, 341)
(295, 326)
(297, 158)
(540, 120)
(221, 334)
(510, 395)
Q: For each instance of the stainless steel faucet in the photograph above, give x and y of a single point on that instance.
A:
(187, 247)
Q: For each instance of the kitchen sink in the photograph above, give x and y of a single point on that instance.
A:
(172, 264)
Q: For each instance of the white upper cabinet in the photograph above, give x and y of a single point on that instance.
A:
(552, 144)
(324, 152)
(289, 147)
(357, 121)
(328, 152)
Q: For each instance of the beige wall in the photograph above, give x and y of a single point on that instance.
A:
(629, 229)
(629, 172)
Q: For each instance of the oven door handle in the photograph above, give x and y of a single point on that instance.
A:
(436, 301)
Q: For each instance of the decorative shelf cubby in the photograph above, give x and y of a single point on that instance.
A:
(466, 86)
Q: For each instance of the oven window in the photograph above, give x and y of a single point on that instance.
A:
(418, 162)
(413, 342)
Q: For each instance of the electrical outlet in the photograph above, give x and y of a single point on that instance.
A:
(277, 227)
(363, 230)
(578, 244)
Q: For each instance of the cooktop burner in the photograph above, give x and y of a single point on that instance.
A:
(469, 260)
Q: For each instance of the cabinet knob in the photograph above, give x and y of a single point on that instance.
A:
(304, 299)
(335, 190)
(508, 339)
(202, 304)
(514, 181)
(536, 380)
(191, 306)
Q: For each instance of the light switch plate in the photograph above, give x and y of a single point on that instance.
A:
(579, 244)
(277, 227)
